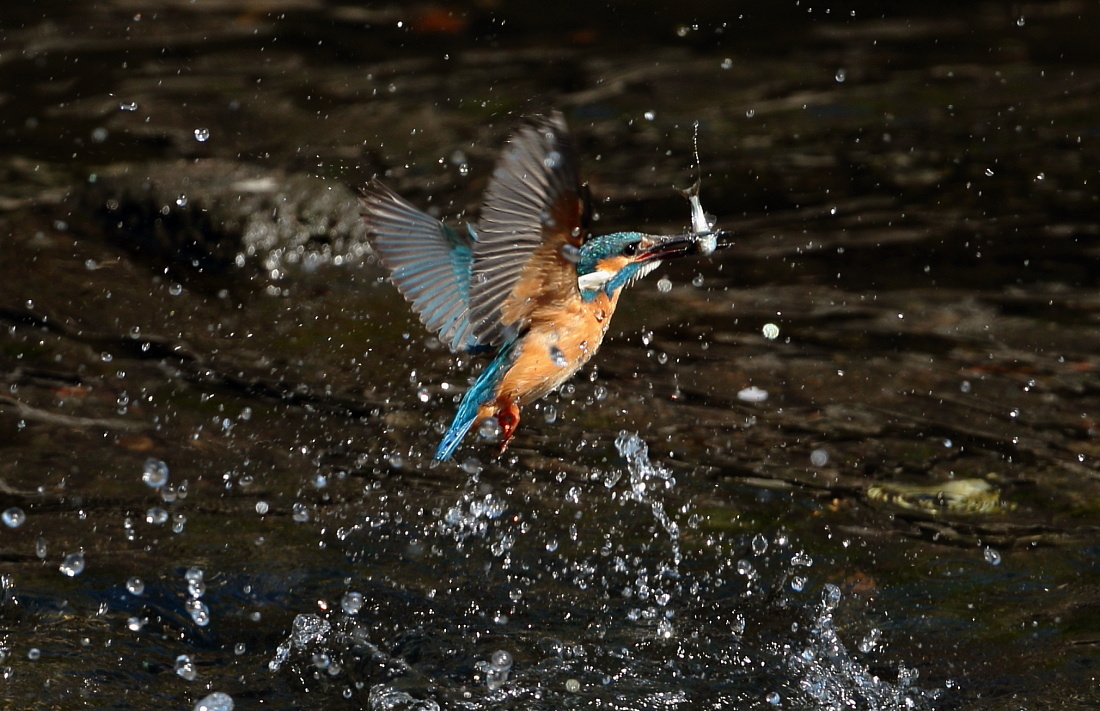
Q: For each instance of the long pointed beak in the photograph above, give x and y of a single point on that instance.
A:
(684, 245)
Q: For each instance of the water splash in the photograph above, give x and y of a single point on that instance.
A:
(307, 630)
(834, 680)
(646, 480)
(472, 515)
(596, 585)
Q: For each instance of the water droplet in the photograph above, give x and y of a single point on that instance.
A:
(650, 115)
(841, 75)
(697, 281)
(156, 516)
(870, 640)
(181, 200)
(72, 565)
(299, 512)
(202, 135)
(749, 113)
(134, 624)
(154, 473)
(798, 583)
(550, 414)
(261, 507)
(830, 596)
(200, 613)
(664, 285)
(40, 547)
(557, 357)
(819, 457)
(128, 106)
(773, 698)
(964, 386)
(196, 588)
(489, 429)
(552, 160)
(665, 630)
(185, 667)
(135, 585)
(1020, 21)
(501, 660)
(991, 556)
(727, 63)
(352, 603)
(760, 544)
(770, 331)
(13, 517)
(218, 701)
(802, 559)
(752, 394)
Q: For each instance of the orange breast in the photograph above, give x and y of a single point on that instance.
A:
(561, 338)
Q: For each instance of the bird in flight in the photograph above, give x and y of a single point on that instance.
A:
(529, 282)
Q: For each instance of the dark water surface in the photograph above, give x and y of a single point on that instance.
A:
(852, 462)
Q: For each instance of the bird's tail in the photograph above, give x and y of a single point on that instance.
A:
(463, 421)
(482, 391)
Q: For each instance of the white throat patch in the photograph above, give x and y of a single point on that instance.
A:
(595, 280)
(598, 279)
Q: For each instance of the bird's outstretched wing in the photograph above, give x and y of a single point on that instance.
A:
(430, 262)
(534, 207)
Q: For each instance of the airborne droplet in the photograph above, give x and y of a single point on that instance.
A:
(154, 473)
(72, 565)
(14, 517)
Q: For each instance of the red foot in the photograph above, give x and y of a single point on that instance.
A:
(508, 419)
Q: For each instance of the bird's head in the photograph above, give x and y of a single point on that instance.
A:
(610, 262)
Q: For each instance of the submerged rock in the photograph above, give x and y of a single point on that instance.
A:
(214, 215)
(960, 496)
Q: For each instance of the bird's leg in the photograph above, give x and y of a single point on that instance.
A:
(508, 419)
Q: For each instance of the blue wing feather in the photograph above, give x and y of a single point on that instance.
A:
(430, 262)
(483, 390)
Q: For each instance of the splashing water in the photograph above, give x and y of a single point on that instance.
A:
(472, 515)
(646, 479)
(596, 585)
(834, 680)
(308, 629)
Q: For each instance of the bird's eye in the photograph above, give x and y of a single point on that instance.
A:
(630, 249)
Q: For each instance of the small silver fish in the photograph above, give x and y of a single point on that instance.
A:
(702, 224)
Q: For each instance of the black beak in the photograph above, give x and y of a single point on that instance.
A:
(685, 245)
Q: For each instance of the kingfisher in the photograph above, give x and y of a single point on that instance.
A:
(529, 282)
